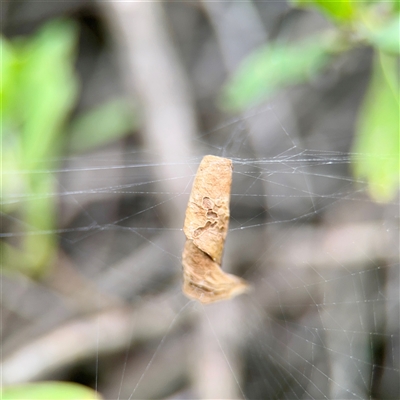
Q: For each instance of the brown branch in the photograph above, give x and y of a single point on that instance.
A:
(156, 78)
(105, 332)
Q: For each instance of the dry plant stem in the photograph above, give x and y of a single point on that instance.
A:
(238, 29)
(235, 43)
(105, 332)
(206, 227)
(217, 366)
(157, 80)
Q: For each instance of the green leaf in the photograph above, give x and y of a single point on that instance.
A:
(49, 391)
(7, 88)
(339, 10)
(40, 214)
(104, 124)
(38, 90)
(387, 37)
(271, 68)
(376, 147)
(48, 89)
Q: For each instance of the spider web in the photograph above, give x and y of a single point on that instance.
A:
(320, 322)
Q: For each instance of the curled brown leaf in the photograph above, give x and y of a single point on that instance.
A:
(206, 227)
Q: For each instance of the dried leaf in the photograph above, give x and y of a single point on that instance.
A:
(206, 227)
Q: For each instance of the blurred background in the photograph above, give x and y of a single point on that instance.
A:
(107, 110)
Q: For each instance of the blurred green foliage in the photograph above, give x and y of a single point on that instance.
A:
(284, 65)
(377, 142)
(339, 10)
(49, 391)
(38, 91)
(386, 36)
(107, 122)
(356, 23)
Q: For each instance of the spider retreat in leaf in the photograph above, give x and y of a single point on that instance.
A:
(206, 227)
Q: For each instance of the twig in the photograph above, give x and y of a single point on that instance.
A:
(155, 76)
